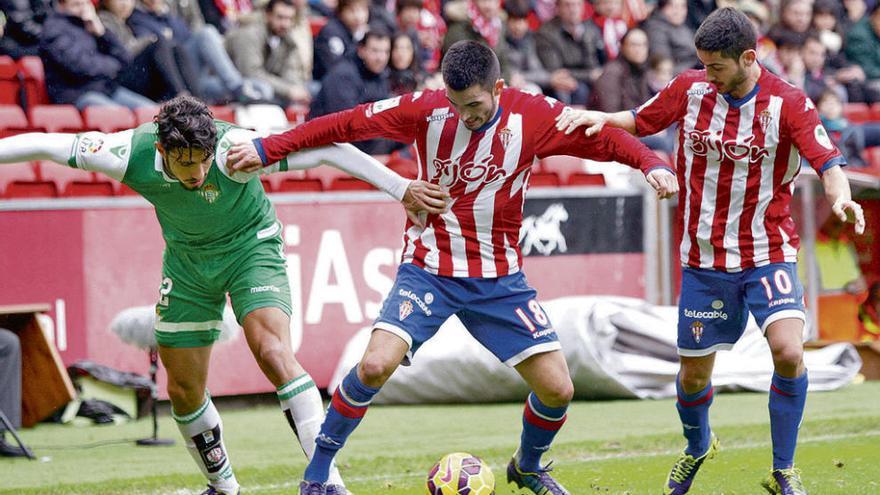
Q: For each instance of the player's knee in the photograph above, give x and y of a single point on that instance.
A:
(376, 370)
(694, 380)
(788, 356)
(274, 355)
(562, 394)
(185, 396)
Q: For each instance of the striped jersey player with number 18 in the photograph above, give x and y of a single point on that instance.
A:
(479, 140)
(742, 132)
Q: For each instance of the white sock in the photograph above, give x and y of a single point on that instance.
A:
(301, 404)
(201, 432)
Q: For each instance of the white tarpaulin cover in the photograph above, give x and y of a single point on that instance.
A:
(616, 348)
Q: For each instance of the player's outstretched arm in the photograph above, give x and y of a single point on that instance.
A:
(37, 146)
(92, 151)
(417, 196)
(838, 193)
(570, 119)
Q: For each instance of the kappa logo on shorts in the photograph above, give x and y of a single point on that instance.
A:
(405, 309)
(697, 331)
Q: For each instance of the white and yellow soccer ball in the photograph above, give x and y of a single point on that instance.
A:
(461, 474)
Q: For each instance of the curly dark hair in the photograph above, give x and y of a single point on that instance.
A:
(186, 123)
(728, 31)
(469, 62)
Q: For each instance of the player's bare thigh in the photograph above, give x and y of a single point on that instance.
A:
(548, 376)
(187, 369)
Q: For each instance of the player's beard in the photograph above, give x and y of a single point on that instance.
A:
(736, 81)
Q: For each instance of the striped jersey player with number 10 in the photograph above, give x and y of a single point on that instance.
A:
(741, 134)
(479, 140)
(221, 236)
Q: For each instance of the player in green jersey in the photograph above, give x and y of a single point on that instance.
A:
(222, 237)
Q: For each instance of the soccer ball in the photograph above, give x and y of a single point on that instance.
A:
(461, 474)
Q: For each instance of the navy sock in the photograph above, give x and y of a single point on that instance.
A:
(693, 409)
(540, 425)
(787, 399)
(347, 408)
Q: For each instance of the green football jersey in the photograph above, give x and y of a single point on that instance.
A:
(228, 212)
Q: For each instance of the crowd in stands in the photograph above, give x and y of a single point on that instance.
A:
(328, 55)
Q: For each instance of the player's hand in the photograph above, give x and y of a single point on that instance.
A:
(851, 212)
(570, 119)
(424, 197)
(243, 157)
(664, 182)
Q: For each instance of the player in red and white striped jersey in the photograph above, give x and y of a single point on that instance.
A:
(741, 134)
(479, 140)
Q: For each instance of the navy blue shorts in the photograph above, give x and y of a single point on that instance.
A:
(714, 306)
(502, 313)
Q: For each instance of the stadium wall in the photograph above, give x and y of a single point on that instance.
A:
(90, 259)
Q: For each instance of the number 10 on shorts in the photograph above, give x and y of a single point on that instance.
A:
(782, 282)
(537, 316)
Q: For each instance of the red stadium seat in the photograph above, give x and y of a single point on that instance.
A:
(12, 120)
(223, 112)
(544, 179)
(123, 190)
(56, 118)
(10, 84)
(63, 175)
(300, 185)
(404, 167)
(585, 179)
(562, 165)
(108, 119)
(857, 112)
(144, 115)
(31, 189)
(10, 172)
(34, 81)
(350, 184)
(267, 185)
(875, 112)
(79, 188)
(277, 178)
(326, 174)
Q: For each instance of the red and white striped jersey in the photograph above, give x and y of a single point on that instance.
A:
(486, 171)
(736, 161)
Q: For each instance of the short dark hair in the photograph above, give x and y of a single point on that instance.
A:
(185, 122)
(344, 4)
(790, 39)
(728, 31)
(409, 4)
(517, 9)
(272, 3)
(470, 62)
(826, 7)
(374, 34)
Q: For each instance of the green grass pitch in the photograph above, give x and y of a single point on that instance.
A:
(614, 447)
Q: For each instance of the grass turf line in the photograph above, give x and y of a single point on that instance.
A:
(606, 447)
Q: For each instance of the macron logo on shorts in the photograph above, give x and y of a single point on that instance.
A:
(264, 288)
